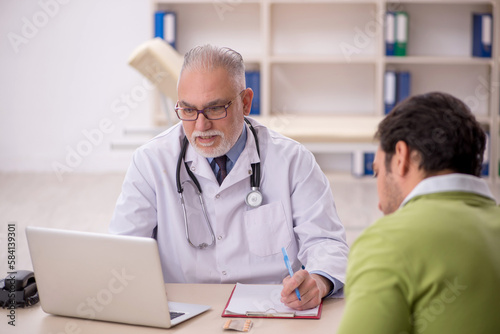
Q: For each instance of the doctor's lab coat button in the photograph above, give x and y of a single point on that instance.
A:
(193, 168)
(219, 237)
(224, 273)
(217, 196)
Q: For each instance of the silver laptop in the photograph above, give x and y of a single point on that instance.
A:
(103, 277)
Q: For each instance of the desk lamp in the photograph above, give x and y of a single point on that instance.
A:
(161, 64)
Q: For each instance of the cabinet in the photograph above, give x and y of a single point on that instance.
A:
(322, 62)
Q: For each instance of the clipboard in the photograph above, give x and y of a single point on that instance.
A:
(262, 301)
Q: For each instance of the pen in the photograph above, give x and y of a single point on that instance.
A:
(289, 267)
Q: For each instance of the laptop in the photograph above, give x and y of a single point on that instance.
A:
(103, 277)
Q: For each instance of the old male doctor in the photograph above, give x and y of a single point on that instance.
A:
(259, 192)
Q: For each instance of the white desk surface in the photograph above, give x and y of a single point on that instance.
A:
(34, 321)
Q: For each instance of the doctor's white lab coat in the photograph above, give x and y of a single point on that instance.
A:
(298, 212)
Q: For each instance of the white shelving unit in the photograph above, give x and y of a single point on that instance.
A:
(322, 62)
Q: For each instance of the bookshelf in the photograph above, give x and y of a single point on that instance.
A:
(322, 62)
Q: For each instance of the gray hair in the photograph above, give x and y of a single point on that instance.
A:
(208, 58)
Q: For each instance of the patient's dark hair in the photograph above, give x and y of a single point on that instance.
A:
(438, 126)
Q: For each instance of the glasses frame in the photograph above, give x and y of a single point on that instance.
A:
(202, 111)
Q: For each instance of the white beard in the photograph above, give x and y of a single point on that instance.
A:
(206, 150)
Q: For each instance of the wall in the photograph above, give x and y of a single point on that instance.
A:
(66, 90)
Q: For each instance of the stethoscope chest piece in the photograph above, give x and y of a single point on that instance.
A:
(254, 198)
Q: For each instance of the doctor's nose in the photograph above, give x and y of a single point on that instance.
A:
(202, 123)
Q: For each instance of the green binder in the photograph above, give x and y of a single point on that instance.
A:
(401, 34)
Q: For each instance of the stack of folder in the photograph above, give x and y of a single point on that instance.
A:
(482, 35)
(362, 163)
(486, 157)
(166, 27)
(252, 79)
(396, 33)
(397, 87)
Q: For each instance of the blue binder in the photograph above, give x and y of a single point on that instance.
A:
(403, 84)
(486, 157)
(368, 161)
(166, 27)
(252, 79)
(390, 33)
(485, 169)
(159, 24)
(389, 91)
(482, 35)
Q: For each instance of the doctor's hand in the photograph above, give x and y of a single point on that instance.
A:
(312, 288)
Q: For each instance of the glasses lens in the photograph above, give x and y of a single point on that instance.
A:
(187, 113)
(215, 112)
(212, 113)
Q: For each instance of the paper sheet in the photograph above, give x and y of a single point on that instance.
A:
(261, 299)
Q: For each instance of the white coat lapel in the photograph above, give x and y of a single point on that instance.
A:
(243, 167)
(199, 165)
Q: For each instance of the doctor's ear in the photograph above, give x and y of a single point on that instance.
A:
(247, 101)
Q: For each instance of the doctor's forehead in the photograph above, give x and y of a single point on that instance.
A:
(199, 78)
(215, 102)
(203, 85)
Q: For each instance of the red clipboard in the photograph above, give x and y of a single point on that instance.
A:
(269, 315)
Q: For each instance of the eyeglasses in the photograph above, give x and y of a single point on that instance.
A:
(212, 113)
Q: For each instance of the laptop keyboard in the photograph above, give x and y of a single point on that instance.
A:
(174, 315)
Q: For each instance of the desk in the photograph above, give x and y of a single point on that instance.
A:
(34, 321)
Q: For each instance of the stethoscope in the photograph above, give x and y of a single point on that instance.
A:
(253, 198)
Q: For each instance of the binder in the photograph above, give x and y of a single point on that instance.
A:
(482, 35)
(166, 27)
(170, 28)
(362, 163)
(368, 158)
(263, 301)
(390, 33)
(357, 163)
(389, 90)
(486, 158)
(159, 24)
(403, 87)
(401, 33)
(252, 79)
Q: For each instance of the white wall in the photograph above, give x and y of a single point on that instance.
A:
(64, 73)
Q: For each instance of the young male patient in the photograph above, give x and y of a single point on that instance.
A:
(432, 264)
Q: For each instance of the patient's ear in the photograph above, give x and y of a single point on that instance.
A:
(401, 159)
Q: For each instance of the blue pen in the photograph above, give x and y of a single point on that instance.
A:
(289, 267)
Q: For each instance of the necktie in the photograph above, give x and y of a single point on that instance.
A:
(221, 162)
